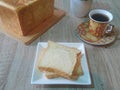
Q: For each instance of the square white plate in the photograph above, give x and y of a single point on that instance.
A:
(39, 77)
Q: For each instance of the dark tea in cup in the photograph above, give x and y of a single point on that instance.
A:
(100, 17)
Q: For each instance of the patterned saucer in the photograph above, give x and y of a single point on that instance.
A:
(83, 34)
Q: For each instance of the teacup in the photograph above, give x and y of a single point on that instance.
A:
(99, 22)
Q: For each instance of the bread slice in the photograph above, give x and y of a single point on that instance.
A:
(59, 59)
(76, 74)
(51, 75)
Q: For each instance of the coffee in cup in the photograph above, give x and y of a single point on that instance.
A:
(99, 21)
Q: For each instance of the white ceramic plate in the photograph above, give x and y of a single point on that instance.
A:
(39, 77)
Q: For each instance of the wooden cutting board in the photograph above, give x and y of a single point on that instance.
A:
(38, 31)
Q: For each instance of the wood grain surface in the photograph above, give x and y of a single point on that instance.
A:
(16, 59)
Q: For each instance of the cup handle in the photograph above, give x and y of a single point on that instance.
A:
(109, 30)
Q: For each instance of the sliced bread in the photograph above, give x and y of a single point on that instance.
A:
(52, 75)
(60, 59)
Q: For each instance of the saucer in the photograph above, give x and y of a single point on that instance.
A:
(83, 34)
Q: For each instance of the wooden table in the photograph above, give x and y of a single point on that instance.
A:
(16, 59)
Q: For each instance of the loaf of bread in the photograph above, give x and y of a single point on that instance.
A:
(22, 16)
(60, 61)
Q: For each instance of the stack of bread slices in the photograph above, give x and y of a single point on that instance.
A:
(60, 61)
